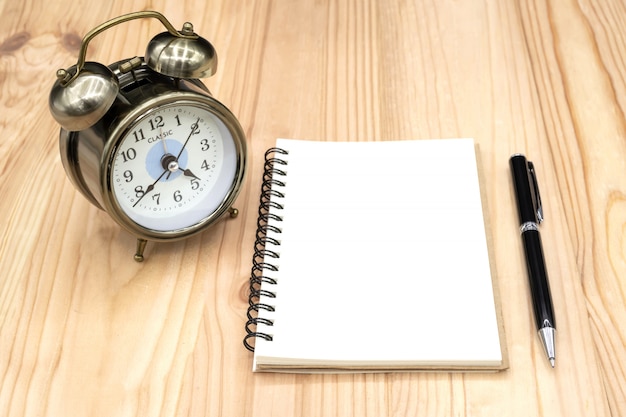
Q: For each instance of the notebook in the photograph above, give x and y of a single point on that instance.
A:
(372, 257)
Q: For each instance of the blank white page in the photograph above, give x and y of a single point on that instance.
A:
(383, 259)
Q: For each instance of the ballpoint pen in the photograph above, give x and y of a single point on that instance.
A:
(530, 215)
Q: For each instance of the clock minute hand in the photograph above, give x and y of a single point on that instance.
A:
(163, 141)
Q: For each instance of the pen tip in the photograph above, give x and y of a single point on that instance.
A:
(552, 362)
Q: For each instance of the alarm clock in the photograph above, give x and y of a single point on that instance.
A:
(144, 140)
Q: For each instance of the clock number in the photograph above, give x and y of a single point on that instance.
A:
(139, 136)
(139, 192)
(157, 197)
(129, 154)
(205, 165)
(178, 123)
(177, 196)
(205, 145)
(195, 184)
(157, 122)
(128, 175)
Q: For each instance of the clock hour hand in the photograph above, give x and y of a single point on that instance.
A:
(188, 173)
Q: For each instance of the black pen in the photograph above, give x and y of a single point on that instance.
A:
(530, 215)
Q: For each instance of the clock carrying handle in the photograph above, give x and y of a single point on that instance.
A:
(186, 33)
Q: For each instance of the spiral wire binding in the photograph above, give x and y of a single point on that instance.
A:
(265, 259)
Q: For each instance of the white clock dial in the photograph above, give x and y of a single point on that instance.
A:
(174, 167)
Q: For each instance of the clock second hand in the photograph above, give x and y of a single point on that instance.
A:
(150, 187)
(194, 127)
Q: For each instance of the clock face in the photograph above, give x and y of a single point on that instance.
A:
(174, 167)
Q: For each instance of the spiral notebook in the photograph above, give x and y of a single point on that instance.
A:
(372, 257)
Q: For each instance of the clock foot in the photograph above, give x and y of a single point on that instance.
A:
(141, 245)
(233, 212)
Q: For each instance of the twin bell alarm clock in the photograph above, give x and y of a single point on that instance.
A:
(144, 140)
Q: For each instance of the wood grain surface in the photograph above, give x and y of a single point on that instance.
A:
(86, 331)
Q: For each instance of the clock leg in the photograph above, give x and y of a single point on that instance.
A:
(233, 212)
(141, 245)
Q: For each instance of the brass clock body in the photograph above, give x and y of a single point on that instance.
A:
(145, 141)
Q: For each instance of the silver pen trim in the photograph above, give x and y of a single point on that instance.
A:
(528, 226)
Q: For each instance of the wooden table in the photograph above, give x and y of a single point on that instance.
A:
(86, 331)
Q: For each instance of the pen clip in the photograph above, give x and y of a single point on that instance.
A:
(535, 190)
